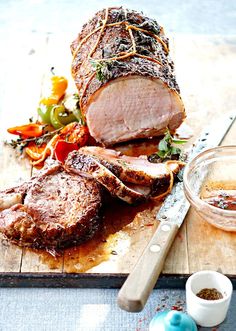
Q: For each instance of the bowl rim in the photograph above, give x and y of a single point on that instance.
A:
(189, 192)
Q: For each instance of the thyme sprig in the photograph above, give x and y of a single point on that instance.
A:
(101, 68)
(20, 143)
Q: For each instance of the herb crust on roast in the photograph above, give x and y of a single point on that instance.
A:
(125, 77)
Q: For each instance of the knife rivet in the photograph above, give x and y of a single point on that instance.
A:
(165, 227)
(155, 248)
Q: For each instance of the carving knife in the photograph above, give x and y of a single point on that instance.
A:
(135, 291)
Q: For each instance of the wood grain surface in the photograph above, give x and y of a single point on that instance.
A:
(204, 73)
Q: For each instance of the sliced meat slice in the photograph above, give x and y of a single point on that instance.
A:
(88, 165)
(135, 170)
(56, 209)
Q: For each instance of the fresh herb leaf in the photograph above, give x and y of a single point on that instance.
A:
(163, 145)
(101, 68)
(178, 141)
(167, 148)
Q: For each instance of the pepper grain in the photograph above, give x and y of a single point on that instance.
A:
(209, 294)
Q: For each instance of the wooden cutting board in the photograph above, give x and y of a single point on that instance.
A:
(204, 73)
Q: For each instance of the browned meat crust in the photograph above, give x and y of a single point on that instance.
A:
(116, 39)
(56, 210)
(130, 179)
(136, 170)
(87, 165)
(117, 44)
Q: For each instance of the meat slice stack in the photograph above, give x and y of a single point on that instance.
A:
(60, 206)
(86, 165)
(125, 77)
(131, 179)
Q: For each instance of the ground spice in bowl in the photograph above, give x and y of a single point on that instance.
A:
(209, 294)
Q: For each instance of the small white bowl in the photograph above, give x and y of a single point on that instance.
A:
(208, 313)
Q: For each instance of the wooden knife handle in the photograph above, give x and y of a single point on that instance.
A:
(136, 289)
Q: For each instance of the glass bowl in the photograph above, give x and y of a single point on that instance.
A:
(211, 176)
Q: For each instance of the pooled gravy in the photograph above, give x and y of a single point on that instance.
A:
(221, 195)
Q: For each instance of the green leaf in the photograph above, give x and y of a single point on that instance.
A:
(168, 137)
(163, 145)
(166, 147)
(101, 68)
(178, 141)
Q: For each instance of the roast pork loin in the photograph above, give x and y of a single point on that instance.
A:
(125, 77)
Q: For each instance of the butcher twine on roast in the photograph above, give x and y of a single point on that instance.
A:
(125, 77)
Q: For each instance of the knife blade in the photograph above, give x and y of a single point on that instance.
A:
(136, 289)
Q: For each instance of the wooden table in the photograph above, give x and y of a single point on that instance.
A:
(204, 67)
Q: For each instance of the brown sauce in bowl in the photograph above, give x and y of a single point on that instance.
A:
(220, 194)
